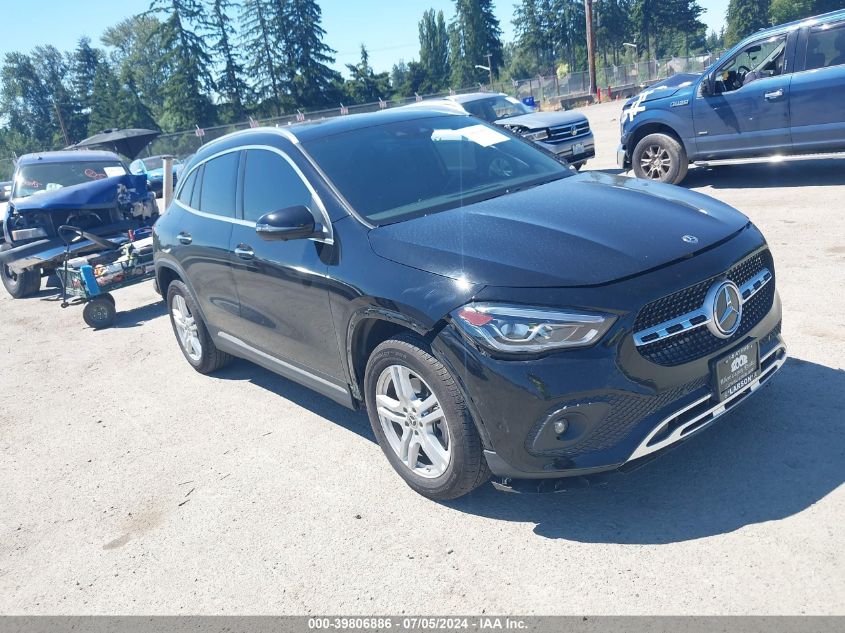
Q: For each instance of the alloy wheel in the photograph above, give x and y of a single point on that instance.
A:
(656, 162)
(413, 421)
(186, 328)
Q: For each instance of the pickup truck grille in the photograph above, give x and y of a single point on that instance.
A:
(564, 132)
(700, 342)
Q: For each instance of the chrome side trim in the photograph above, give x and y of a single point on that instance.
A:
(700, 317)
(281, 363)
(701, 419)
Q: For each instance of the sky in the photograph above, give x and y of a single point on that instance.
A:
(387, 27)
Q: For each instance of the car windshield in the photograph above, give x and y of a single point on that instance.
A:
(38, 177)
(397, 171)
(154, 162)
(496, 108)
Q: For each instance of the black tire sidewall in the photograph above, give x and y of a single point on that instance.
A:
(415, 355)
(28, 282)
(91, 306)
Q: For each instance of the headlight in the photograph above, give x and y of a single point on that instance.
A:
(538, 135)
(517, 329)
(28, 234)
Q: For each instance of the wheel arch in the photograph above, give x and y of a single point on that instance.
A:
(654, 127)
(368, 328)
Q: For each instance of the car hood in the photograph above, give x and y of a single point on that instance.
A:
(94, 194)
(583, 230)
(676, 84)
(538, 120)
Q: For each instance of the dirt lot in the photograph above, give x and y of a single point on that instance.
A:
(133, 485)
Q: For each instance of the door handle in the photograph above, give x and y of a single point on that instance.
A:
(244, 252)
(777, 94)
(185, 238)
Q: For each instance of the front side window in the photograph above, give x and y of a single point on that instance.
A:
(393, 172)
(219, 185)
(826, 47)
(761, 59)
(271, 184)
(37, 177)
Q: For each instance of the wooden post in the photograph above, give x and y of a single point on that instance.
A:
(591, 45)
(167, 184)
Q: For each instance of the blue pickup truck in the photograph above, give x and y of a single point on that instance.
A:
(779, 92)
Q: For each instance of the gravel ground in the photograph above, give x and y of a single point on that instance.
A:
(133, 485)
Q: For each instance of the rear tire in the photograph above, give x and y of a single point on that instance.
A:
(660, 157)
(191, 333)
(20, 285)
(426, 414)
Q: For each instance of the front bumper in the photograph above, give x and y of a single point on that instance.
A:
(622, 158)
(576, 150)
(621, 407)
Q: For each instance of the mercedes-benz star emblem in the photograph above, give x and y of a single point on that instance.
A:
(690, 239)
(725, 304)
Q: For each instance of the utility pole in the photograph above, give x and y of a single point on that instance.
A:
(591, 45)
(61, 122)
(489, 57)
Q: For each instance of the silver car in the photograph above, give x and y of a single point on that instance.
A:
(564, 133)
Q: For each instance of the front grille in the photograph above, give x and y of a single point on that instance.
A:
(699, 342)
(626, 411)
(564, 132)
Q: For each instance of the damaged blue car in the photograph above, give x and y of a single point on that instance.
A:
(90, 190)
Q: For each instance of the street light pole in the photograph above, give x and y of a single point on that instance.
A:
(591, 52)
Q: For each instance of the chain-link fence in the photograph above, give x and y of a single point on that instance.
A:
(547, 91)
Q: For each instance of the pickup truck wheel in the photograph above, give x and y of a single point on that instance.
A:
(660, 157)
(22, 284)
(191, 333)
(420, 419)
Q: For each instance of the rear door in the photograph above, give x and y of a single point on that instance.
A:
(282, 285)
(208, 210)
(817, 96)
(751, 117)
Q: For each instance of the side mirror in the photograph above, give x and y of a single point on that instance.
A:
(292, 223)
(708, 85)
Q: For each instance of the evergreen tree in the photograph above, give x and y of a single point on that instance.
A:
(84, 62)
(364, 85)
(473, 33)
(434, 52)
(309, 79)
(262, 47)
(104, 107)
(185, 65)
(230, 83)
(532, 38)
(744, 17)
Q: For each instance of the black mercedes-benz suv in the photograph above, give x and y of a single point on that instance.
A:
(493, 310)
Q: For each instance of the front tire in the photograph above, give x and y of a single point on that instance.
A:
(660, 157)
(22, 284)
(421, 421)
(191, 333)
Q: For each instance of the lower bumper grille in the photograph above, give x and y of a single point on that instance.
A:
(702, 412)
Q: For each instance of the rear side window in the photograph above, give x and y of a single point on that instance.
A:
(826, 47)
(271, 184)
(188, 188)
(195, 195)
(220, 185)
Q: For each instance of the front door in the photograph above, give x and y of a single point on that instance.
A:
(282, 285)
(748, 114)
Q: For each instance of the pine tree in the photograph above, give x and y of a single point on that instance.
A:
(434, 52)
(744, 17)
(84, 62)
(185, 65)
(309, 79)
(473, 33)
(364, 85)
(104, 107)
(230, 83)
(262, 47)
(531, 36)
